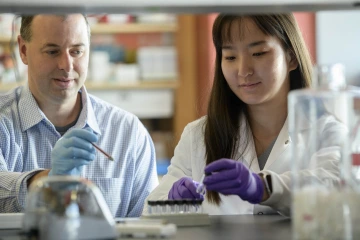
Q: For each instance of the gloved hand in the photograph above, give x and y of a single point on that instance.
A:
(230, 177)
(184, 188)
(72, 152)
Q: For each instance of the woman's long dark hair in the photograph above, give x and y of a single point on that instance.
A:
(221, 137)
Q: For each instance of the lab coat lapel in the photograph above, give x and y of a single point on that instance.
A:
(248, 156)
(281, 144)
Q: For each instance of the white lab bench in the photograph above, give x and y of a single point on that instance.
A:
(244, 227)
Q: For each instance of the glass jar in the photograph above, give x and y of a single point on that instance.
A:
(325, 197)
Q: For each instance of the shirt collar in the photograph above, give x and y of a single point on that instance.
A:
(87, 115)
(29, 111)
(31, 114)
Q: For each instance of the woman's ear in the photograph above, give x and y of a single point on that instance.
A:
(292, 61)
(22, 49)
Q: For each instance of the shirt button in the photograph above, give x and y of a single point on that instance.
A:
(287, 141)
(260, 213)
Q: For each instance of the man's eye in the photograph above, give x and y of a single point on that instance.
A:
(77, 52)
(52, 52)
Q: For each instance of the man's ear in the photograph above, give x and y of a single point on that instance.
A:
(22, 49)
(292, 61)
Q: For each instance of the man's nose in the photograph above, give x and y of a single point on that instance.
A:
(65, 62)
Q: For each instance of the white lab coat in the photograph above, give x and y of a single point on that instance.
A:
(189, 160)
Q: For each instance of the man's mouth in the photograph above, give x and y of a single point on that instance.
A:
(64, 79)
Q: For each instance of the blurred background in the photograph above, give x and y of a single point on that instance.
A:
(160, 66)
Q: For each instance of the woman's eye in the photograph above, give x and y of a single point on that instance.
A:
(258, 54)
(230, 58)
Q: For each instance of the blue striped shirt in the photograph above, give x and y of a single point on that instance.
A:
(27, 138)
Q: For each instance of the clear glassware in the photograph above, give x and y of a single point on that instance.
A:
(355, 140)
(320, 122)
(66, 207)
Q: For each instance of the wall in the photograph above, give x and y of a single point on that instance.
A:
(338, 40)
(205, 60)
(306, 23)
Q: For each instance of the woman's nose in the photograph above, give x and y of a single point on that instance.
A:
(245, 68)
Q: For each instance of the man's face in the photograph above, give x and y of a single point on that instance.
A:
(57, 57)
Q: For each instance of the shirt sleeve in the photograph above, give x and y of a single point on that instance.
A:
(13, 188)
(145, 179)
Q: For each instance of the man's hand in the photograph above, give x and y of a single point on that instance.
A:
(72, 152)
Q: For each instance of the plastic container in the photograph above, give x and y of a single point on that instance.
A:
(65, 207)
(325, 195)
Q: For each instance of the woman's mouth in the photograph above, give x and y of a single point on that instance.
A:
(249, 85)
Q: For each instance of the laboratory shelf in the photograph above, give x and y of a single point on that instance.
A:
(183, 88)
(5, 39)
(111, 28)
(106, 28)
(159, 84)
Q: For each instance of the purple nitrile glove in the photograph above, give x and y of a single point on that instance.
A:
(230, 177)
(184, 188)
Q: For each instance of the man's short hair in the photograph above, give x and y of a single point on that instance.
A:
(26, 21)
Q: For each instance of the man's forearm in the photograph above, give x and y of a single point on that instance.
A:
(37, 176)
(13, 189)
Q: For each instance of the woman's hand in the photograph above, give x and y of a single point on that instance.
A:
(184, 188)
(230, 177)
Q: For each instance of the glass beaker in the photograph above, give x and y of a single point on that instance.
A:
(319, 123)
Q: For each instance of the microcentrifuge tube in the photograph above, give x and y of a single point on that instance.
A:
(151, 205)
(176, 206)
(201, 188)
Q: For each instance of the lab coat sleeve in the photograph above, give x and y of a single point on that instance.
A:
(180, 167)
(327, 169)
(323, 166)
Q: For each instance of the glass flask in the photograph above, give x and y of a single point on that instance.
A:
(325, 199)
(66, 207)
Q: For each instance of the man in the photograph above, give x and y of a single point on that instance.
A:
(47, 126)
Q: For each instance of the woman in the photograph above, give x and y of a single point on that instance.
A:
(243, 144)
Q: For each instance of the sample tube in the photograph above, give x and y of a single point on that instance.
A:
(201, 188)
(166, 208)
(176, 206)
(162, 207)
(151, 205)
(158, 207)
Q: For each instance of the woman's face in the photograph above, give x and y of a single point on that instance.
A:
(255, 65)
